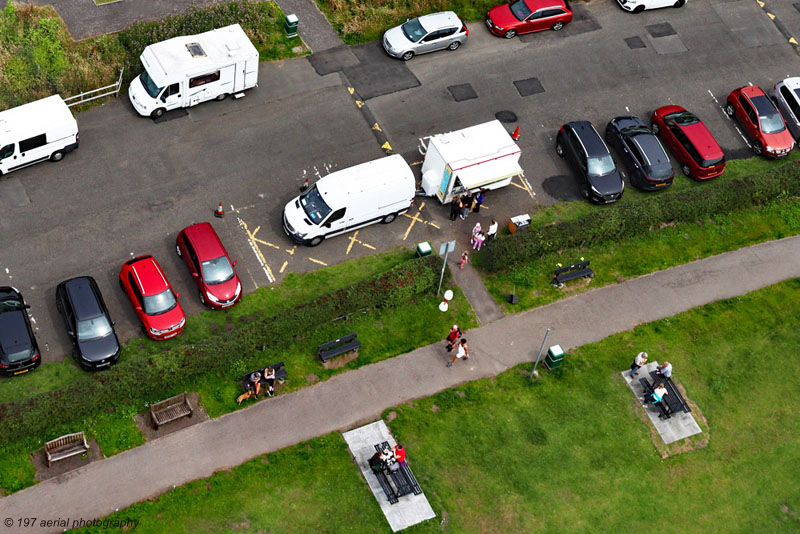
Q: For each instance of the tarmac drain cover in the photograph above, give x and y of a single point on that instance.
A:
(506, 116)
(531, 86)
(462, 92)
(664, 29)
(635, 42)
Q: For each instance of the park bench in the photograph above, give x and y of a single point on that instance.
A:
(280, 375)
(65, 446)
(169, 410)
(571, 272)
(339, 346)
(675, 400)
(410, 479)
(648, 390)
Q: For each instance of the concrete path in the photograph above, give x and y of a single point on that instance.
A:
(313, 26)
(485, 306)
(360, 396)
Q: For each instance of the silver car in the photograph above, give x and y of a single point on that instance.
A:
(786, 95)
(428, 33)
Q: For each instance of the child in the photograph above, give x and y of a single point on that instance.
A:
(478, 239)
(475, 231)
(464, 258)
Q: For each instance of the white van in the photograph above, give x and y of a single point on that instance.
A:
(184, 71)
(350, 199)
(36, 131)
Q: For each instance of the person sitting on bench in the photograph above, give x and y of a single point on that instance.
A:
(377, 463)
(255, 383)
(253, 387)
(657, 398)
(400, 454)
(269, 378)
(665, 370)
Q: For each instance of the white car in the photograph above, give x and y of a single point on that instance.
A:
(637, 6)
(437, 31)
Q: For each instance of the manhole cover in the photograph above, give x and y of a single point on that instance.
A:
(635, 42)
(462, 92)
(506, 116)
(528, 87)
(661, 30)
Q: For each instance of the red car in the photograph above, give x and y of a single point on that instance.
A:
(690, 141)
(526, 16)
(762, 121)
(152, 297)
(211, 267)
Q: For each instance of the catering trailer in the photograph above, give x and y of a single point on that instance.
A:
(479, 157)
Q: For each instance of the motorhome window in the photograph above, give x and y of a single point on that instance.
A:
(149, 85)
(6, 151)
(314, 206)
(33, 142)
(204, 79)
(195, 49)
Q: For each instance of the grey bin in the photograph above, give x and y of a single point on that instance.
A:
(290, 25)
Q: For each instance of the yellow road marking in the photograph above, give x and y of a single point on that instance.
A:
(520, 186)
(257, 250)
(760, 3)
(792, 40)
(414, 219)
(254, 238)
(285, 263)
(386, 146)
(351, 90)
(376, 127)
(770, 15)
(359, 103)
(319, 262)
(353, 239)
(417, 163)
(524, 185)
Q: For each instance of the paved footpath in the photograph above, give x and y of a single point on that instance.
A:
(360, 396)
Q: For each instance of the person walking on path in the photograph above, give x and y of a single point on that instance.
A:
(665, 370)
(464, 258)
(455, 208)
(462, 352)
(452, 337)
(479, 198)
(638, 362)
(492, 233)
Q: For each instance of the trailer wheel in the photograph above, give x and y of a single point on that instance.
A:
(58, 155)
(157, 113)
(221, 97)
(316, 241)
(389, 218)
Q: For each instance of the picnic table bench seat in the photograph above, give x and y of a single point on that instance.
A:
(339, 346)
(170, 409)
(675, 400)
(403, 479)
(65, 447)
(571, 272)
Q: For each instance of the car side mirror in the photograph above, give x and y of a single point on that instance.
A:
(138, 308)
(177, 295)
(70, 332)
(327, 225)
(113, 323)
(234, 263)
(195, 275)
(27, 306)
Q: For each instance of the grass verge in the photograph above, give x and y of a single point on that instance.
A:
(565, 454)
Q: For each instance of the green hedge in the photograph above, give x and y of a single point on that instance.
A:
(146, 380)
(626, 220)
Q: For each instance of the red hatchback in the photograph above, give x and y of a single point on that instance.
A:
(526, 16)
(210, 266)
(152, 297)
(762, 120)
(690, 141)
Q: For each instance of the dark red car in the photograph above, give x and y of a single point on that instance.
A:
(210, 266)
(690, 141)
(153, 299)
(526, 16)
(762, 121)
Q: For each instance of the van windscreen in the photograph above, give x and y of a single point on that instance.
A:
(149, 85)
(316, 208)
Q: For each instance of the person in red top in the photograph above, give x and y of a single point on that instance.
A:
(400, 454)
(452, 337)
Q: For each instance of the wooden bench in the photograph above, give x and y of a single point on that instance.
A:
(571, 272)
(170, 409)
(675, 400)
(65, 446)
(338, 347)
(280, 375)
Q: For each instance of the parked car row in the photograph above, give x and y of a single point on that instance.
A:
(88, 321)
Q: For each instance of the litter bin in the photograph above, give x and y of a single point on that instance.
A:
(555, 357)
(290, 25)
(423, 249)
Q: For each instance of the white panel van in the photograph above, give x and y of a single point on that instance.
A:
(376, 191)
(34, 132)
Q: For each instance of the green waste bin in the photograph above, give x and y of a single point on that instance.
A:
(423, 249)
(290, 25)
(555, 357)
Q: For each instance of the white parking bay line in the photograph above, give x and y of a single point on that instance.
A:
(722, 108)
(257, 252)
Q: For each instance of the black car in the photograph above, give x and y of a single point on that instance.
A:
(583, 147)
(19, 352)
(642, 153)
(88, 322)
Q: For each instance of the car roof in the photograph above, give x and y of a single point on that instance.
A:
(535, 5)
(14, 333)
(627, 122)
(437, 21)
(591, 140)
(82, 296)
(751, 91)
(149, 276)
(651, 149)
(205, 241)
(791, 83)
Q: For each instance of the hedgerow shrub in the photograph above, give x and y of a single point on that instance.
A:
(631, 219)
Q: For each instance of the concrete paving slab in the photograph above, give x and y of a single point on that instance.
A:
(670, 44)
(461, 92)
(748, 24)
(410, 509)
(679, 426)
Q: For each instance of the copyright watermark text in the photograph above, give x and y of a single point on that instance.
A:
(30, 522)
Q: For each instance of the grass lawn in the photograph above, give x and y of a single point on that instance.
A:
(569, 453)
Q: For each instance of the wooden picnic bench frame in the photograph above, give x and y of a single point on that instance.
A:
(580, 269)
(170, 409)
(339, 346)
(65, 447)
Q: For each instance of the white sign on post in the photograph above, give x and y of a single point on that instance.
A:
(444, 250)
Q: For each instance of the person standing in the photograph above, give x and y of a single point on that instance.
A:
(464, 258)
(665, 370)
(466, 204)
(637, 364)
(461, 352)
(452, 337)
(479, 239)
(492, 231)
(475, 231)
(400, 454)
(479, 198)
(455, 208)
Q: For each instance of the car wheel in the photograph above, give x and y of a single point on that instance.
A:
(559, 148)
(729, 110)
(584, 192)
(454, 45)
(221, 97)
(178, 251)
(389, 218)
(121, 286)
(679, 3)
(316, 241)
(58, 155)
(202, 298)
(757, 148)
(510, 34)
(638, 9)
(157, 113)
(654, 128)
(408, 55)
(687, 170)
(557, 26)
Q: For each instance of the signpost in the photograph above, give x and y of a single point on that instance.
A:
(540, 353)
(444, 250)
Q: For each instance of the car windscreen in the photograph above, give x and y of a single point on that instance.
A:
(706, 163)
(683, 118)
(600, 166)
(93, 328)
(769, 118)
(634, 130)
(413, 30)
(161, 303)
(149, 85)
(520, 9)
(17, 354)
(314, 206)
(217, 270)
(661, 171)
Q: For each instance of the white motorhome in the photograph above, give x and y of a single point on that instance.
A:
(479, 157)
(34, 132)
(376, 191)
(184, 71)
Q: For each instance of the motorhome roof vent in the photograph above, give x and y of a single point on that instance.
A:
(195, 50)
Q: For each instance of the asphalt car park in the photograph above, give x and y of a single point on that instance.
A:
(134, 184)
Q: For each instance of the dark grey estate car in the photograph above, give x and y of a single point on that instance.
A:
(580, 144)
(641, 152)
(19, 352)
(89, 324)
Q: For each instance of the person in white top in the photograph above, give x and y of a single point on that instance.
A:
(492, 232)
(462, 352)
(638, 362)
